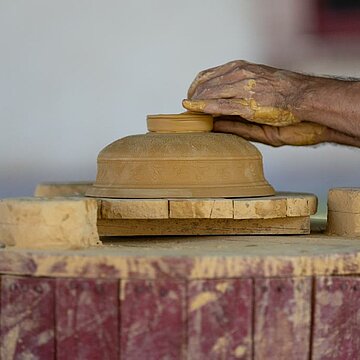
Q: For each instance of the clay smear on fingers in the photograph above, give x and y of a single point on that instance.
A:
(211, 73)
(248, 109)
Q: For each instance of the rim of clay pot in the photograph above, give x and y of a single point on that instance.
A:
(180, 123)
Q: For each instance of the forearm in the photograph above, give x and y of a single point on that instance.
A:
(332, 103)
(343, 139)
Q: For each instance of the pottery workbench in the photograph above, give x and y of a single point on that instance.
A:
(211, 297)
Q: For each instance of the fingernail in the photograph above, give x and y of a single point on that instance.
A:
(194, 105)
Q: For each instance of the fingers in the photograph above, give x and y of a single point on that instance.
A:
(239, 89)
(247, 109)
(239, 107)
(250, 132)
(212, 73)
(241, 82)
(302, 134)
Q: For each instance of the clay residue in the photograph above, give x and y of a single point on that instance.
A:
(202, 299)
(334, 299)
(247, 108)
(222, 286)
(270, 115)
(221, 345)
(240, 351)
(250, 85)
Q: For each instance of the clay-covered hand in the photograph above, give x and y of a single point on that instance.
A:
(304, 133)
(258, 93)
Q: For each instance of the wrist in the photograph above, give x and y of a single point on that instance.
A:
(333, 136)
(309, 97)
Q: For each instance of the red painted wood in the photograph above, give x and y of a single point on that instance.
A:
(87, 319)
(152, 319)
(220, 319)
(27, 318)
(337, 318)
(282, 318)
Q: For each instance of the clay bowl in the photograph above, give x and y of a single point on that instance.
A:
(180, 158)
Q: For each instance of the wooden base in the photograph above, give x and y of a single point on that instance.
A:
(283, 213)
(214, 297)
(141, 227)
(344, 212)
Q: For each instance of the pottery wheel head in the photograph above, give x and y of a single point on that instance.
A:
(180, 123)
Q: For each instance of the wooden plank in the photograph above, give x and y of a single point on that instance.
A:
(300, 204)
(280, 205)
(152, 319)
(337, 318)
(27, 318)
(134, 209)
(282, 318)
(344, 200)
(201, 208)
(296, 206)
(206, 257)
(87, 319)
(62, 189)
(343, 224)
(295, 225)
(220, 319)
(60, 223)
(260, 208)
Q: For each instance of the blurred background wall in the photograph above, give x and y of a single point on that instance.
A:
(76, 75)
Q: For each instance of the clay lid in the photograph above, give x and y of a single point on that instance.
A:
(180, 165)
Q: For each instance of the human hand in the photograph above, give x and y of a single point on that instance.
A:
(304, 133)
(257, 93)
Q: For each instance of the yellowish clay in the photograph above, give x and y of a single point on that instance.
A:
(250, 110)
(250, 85)
(270, 115)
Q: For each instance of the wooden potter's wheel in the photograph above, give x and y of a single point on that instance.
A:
(180, 158)
(179, 179)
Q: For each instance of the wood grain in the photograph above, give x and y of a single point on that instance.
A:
(300, 204)
(152, 319)
(260, 208)
(345, 200)
(282, 318)
(291, 225)
(63, 189)
(206, 257)
(201, 209)
(27, 318)
(337, 318)
(220, 319)
(87, 319)
(278, 206)
(343, 224)
(56, 223)
(134, 209)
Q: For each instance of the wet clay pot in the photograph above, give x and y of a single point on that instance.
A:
(180, 158)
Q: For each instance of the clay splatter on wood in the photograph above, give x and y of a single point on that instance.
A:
(219, 319)
(27, 318)
(196, 258)
(87, 319)
(337, 318)
(282, 318)
(152, 319)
